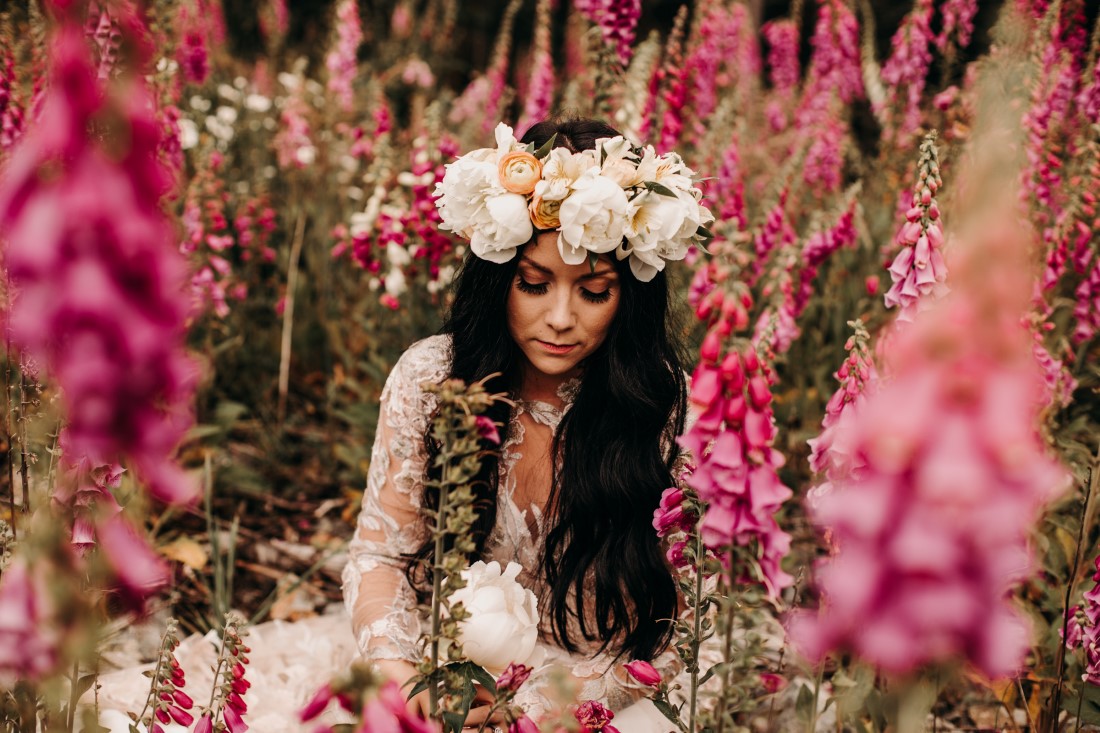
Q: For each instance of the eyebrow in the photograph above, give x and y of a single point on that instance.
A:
(547, 271)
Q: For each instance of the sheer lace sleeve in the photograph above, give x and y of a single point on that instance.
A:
(379, 599)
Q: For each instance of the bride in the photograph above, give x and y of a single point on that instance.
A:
(573, 315)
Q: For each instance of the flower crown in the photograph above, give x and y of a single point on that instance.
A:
(617, 197)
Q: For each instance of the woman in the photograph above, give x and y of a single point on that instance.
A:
(575, 320)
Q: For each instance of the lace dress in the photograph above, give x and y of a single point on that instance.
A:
(383, 607)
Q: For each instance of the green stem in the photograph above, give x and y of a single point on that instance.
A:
(700, 560)
(74, 691)
(217, 676)
(437, 588)
(727, 653)
(1056, 697)
(156, 676)
(817, 693)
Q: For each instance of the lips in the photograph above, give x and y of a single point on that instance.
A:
(556, 348)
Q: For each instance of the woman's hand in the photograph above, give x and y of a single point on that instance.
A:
(479, 712)
(401, 672)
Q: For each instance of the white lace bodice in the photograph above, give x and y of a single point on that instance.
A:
(385, 619)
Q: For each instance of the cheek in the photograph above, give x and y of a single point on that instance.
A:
(519, 313)
(600, 320)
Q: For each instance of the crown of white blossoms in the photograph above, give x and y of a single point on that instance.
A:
(616, 198)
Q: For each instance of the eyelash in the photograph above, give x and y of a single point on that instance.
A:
(541, 288)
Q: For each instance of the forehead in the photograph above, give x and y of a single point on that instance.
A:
(543, 253)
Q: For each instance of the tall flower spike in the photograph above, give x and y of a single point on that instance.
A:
(932, 530)
(918, 270)
(617, 20)
(540, 90)
(905, 74)
(343, 60)
(100, 289)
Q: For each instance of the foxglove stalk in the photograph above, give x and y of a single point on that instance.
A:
(1085, 629)
(671, 88)
(99, 285)
(29, 639)
(540, 89)
(784, 69)
(617, 21)
(918, 270)
(829, 453)
(958, 23)
(11, 114)
(343, 60)
(775, 234)
(905, 74)
(736, 465)
(725, 46)
(931, 531)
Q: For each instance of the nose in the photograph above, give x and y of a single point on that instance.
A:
(560, 316)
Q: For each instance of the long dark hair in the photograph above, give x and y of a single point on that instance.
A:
(615, 445)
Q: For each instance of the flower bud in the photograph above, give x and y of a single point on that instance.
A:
(759, 392)
(711, 347)
(644, 672)
(732, 373)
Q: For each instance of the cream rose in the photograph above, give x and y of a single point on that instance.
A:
(503, 625)
(519, 171)
(544, 212)
(593, 218)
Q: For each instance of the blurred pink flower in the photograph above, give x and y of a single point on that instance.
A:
(523, 724)
(11, 113)
(540, 87)
(99, 290)
(387, 712)
(724, 49)
(487, 429)
(617, 20)
(783, 55)
(932, 531)
(905, 74)
(1085, 629)
(137, 569)
(343, 60)
(958, 23)
(28, 637)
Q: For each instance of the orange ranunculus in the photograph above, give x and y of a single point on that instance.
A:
(519, 171)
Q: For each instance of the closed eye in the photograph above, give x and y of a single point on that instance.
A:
(601, 297)
(531, 288)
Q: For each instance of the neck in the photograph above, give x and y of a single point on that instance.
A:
(541, 387)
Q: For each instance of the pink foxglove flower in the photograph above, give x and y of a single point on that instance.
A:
(540, 88)
(387, 711)
(736, 465)
(11, 113)
(343, 60)
(830, 454)
(919, 270)
(1085, 630)
(617, 20)
(905, 74)
(932, 531)
(100, 289)
(958, 23)
(28, 637)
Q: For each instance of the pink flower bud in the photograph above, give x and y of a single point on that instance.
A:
(205, 725)
(487, 429)
(736, 407)
(183, 700)
(706, 386)
(772, 682)
(759, 392)
(752, 361)
(711, 347)
(872, 285)
(523, 725)
(233, 721)
(317, 704)
(644, 672)
(513, 677)
(732, 373)
(593, 715)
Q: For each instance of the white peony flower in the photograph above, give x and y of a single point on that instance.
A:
(505, 226)
(462, 192)
(503, 625)
(593, 218)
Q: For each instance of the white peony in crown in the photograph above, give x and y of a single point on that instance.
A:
(616, 198)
